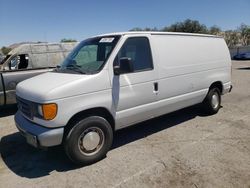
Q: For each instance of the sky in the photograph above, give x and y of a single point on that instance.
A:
(52, 20)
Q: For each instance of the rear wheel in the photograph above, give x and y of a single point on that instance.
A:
(212, 102)
(89, 140)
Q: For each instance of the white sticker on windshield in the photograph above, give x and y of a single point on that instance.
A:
(108, 40)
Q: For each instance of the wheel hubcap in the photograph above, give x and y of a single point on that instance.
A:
(91, 141)
(215, 100)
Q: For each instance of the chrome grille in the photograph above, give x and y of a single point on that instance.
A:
(25, 107)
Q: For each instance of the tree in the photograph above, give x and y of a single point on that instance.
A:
(214, 30)
(187, 26)
(245, 34)
(136, 29)
(232, 38)
(68, 40)
(145, 29)
(5, 50)
(241, 36)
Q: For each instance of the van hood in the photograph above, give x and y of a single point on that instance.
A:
(52, 86)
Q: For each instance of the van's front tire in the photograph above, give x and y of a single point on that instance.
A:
(89, 140)
(212, 102)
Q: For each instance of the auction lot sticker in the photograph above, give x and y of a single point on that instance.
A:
(107, 40)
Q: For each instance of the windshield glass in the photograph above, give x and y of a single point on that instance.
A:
(89, 56)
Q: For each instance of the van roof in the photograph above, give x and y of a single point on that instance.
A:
(159, 33)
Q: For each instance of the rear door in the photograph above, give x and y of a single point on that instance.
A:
(134, 92)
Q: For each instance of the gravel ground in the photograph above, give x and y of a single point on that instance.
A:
(181, 149)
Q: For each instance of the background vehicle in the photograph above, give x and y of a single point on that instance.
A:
(28, 60)
(1, 58)
(242, 56)
(112, 81)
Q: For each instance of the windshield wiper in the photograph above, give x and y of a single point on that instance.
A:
(76, 68)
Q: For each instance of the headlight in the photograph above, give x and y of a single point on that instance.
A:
(47, 111)
(40, 110)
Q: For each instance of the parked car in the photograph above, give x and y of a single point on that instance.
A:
(242, 56)
(112, 81)
(26, 61)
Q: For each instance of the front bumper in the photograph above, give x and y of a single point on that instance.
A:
(37, 135)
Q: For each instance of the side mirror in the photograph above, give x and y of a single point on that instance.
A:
(125, 66)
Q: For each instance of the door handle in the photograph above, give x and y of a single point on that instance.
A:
(156, 87)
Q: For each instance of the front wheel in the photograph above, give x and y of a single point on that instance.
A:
(89, 140)
(212, 102)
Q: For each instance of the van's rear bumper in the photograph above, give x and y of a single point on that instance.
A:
(37, 135)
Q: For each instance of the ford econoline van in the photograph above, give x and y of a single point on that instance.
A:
(112, 81)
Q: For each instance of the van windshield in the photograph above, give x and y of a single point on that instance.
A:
(89, 56)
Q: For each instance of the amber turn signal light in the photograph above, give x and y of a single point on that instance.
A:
(49, 111)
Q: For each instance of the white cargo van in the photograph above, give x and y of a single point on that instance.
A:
(112, 81)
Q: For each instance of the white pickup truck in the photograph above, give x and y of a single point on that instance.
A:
(112, 81)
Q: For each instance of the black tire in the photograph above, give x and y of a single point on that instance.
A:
(209, 106)
(74, 142)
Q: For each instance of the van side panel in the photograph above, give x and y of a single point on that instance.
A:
(49, 55)
(39, 56)
(188, 65)
(55, 55)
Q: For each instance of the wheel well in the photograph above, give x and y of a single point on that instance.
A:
(218, 85)
(103, 112)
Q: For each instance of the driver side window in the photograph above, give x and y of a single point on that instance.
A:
(138, 50)
(19, 62)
